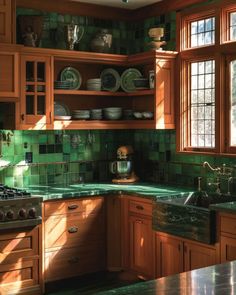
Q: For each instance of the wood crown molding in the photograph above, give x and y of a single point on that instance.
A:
(105, 12)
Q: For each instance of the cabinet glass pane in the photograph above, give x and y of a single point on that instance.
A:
(29, 88)
(233, 103)
(30, 71)
(41, 105)
(29, 104)
(41, 71)
(41, 88)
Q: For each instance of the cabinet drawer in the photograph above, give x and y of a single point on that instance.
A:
(228, 224)
(21, 274)
(73, 229)
(140, 207)
(74, 261)
(15, 246)
(73, 206)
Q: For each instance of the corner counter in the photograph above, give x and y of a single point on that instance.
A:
(217, 279)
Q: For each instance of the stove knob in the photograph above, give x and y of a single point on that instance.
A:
(32, 213)
(22, 213)
(10, 214)
(2, 215)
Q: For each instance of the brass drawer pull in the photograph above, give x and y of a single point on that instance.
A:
(139, 221)
(72, 229)
(139, 207)
(73, 207)
(73, 260)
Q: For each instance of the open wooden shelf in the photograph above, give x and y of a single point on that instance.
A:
(104, 93)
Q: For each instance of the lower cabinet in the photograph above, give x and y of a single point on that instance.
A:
(175, 255)
(227, 237)
(20, 262)
(74, 237)
(138, 236)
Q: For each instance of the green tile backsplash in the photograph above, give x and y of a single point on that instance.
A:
(87, 153)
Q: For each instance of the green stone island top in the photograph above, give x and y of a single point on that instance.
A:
(145, 190)
(229, 207)
(213, 280)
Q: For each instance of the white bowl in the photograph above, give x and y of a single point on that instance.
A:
(137, 115)
(147, 115)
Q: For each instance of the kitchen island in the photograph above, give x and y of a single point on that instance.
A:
(213, 280)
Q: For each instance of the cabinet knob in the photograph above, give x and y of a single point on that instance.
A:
(72, 207)
(72, 229)
(139, 207)
(139, 221)
(22, 117)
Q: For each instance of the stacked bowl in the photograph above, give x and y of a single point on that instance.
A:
(94, 84)
(96, 114)
(81, 114)
(113, 113)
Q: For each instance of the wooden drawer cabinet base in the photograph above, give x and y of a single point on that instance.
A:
(74, 261)
(19, 275)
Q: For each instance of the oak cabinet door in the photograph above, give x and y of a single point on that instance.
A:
(197, 256)
(9, 75)
(35, 101)
(141, 245)
(5, 21)
(169, 255)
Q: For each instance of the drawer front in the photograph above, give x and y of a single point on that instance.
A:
(17, 245)
(73, 229)
(22, 274)
(228, 224)
(74, 261)
(73, 206)
(140, 207)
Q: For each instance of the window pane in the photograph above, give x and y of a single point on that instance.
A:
(202, 104)
(202, 32)
(233, 103)
(233, 26)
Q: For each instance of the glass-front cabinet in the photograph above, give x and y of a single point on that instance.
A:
(35, 91)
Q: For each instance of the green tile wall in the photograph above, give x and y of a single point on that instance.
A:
(82, 153)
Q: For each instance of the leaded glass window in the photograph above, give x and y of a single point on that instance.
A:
(233, 103)
(202, 104)
(233, 26)
(202, 32)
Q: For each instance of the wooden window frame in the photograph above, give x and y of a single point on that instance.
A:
(220, 52)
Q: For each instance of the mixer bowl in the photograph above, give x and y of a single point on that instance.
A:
(121, 168)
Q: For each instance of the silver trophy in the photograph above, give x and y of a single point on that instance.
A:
(74, 34)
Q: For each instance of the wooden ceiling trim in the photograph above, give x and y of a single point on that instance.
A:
(76, 8)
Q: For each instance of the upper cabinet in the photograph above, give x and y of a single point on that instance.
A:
(9, 74)
(35, 99)
(55, 89)
(6, 32)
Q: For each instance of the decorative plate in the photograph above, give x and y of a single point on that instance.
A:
(60, 109)
(72, 75)
(127, 78)
(110, 80)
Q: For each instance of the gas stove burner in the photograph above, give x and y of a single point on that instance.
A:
(7, 192)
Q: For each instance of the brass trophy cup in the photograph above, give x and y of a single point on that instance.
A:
(156, 34)
(74, 34)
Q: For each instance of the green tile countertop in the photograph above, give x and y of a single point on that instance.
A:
(215, 280)
(229, 207)
(145, 190)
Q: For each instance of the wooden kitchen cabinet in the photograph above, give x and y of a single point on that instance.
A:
(227, 237)
(74, 237)
(9, 74)
(20, 262)
(175, 255)
(138, 236)
(35, 102)
(6, 19)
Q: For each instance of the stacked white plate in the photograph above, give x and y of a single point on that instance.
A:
(114, 113)
(96, 114)
(94, 84)
(81, 114)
